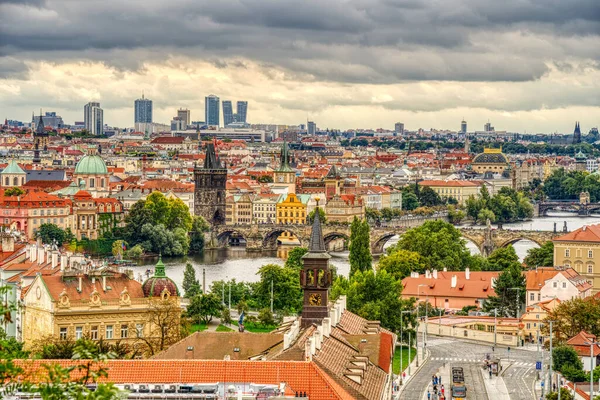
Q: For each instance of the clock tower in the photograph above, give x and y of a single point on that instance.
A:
(315, 278)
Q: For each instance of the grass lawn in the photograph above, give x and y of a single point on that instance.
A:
(258, 328)
(405, 361)
(223, 328)
(198, 327)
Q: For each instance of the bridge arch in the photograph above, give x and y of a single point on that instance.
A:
(379, 242)
(270, 238)
(224, 236)
(331, 236)
(516, 239)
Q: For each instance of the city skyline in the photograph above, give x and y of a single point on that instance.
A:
(526, 68)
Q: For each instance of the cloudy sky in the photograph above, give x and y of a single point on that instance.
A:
(526, 65)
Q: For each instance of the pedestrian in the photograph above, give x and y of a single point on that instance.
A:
(490, 373)
(441, 381)
(443, 390)
(428, 395)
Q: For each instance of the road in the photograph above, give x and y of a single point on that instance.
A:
(519, 365)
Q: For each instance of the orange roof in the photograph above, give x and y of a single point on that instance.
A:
(537, 278)
(300, 376)
(587, 233)
(581, 344)
(117, 283)
(479, 285)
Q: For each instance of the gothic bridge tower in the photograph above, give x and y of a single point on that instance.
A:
(209, 188)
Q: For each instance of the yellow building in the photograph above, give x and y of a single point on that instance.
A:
(238, 209)
(460, 190)
(292, 210)
(492, 160)
(580, 250)
(99, 304)
(535, 314)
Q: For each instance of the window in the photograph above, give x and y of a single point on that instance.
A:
(590, 254)
(537, 316)
(590, 269)
(124, 332)
(564, 285)
(109, 331)
(78, 332)
(94, 333)
(531, 296)
(555, 284)
(534, 324)
(539, 296)
(528, 325)
(139, 330)
(92, 182)
(63, 334)
(567, 253)
(41, 212)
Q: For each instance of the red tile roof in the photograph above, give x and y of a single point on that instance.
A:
(117, 283)
(479, 285)
(587, 233)
(581, 344)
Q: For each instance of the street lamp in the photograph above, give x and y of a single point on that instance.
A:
(417, 330)
(592, 344)
(401, 346)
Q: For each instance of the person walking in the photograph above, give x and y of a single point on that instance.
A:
(428, 395)
(490, 373)
(443, 390)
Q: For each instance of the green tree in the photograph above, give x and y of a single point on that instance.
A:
(360, 246)
(118, 247)
(502, 258)
(204, 307)
(372, 214)
(294, 258)
(14, 191)
(199, 227)
(455, 215)
(135, 252)
(322, 217)
(137, 217)
(508, 301)
(573, 316)
(49, 233)
(400, 263)
(159, 208)
(287, 294)
(410, 201)
(540, 256)
(429, 198)
(157, 239)
(474, 206)
(266, 317)
(565, 394)
(484, 215)
(190, 285)
(565, 355)
(376, 297)
(179, 215)
(439, 243)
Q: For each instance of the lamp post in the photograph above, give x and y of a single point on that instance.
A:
(417, 330)
(401, 346)
(592, 344)
(550, 362)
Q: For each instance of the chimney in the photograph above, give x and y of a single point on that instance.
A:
(8, 244)
(41, 255)
(33, 253)
(54, 259)
(361, 346)
(104, 283)
(27, 251)
(64, 262)
(445, 269)
(427, 274)
(79, 285)
(326, 326)
(435, 274)
(453, 282)
(467, 273)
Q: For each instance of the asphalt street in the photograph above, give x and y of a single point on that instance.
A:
(518, 368)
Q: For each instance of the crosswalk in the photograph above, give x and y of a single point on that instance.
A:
(472, 360)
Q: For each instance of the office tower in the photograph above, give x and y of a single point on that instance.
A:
(242, 111)
(93, 118)
(577, 134)
(227, 113)
(488, 127)
(311, 128)
(463, 126)
(49, 119)
(399, 128)
(211, 110)
(143, 111)
(184, 116)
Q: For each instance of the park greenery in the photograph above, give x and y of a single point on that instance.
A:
(163, 225)
(540, 256)
(51, 233)
(507, 205)
(510, 292)
(573, 316)
(14, 191)
(563, 185)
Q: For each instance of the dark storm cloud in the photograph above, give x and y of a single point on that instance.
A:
(373, 41)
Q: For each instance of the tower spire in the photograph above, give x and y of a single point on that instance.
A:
(316, 243)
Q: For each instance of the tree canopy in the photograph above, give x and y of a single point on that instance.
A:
(49, 233)
(400, 263)
(563, 185)
(506, 206)
(510, 292)
(287, 293)
(540, 256)
(573, 316)
(502, 258)
(360, 246)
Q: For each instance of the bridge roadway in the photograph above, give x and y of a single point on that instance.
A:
(519, 369)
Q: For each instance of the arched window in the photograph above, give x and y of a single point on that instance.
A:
(102, 182)
(22, 181)
(15, 181)
(7, 181)
(92, 182)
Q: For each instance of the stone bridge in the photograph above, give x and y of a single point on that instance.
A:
(583, 209)
(264, 236)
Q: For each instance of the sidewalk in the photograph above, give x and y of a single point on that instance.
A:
(495, 385)
(414, 370)
(444, 373)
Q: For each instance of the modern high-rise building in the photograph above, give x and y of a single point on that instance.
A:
(93, 118)
(399, 128)
(143, 111)
(311, 128)
(49, 119)
(184, 115)
(211, 110)
(463, 126)
(488, 127)
(227, 113)
(242, 111)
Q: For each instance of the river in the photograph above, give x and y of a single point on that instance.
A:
(235, 262)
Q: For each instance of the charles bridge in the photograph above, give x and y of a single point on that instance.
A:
(264, 236)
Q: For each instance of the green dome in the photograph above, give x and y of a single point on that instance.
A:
(91, 165)
(580, 156)
(490, 158)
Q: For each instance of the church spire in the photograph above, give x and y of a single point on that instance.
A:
(211, 161)
(317, 243)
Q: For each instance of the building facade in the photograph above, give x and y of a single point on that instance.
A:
(292, 211)
(580, 250)
(184, 115)
(242, 112)
(143, 111)
(227, 113)
(93, 117)
(211, 110)
(460, 190)
(343, 208)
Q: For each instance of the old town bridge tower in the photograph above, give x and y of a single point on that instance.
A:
(209, 188)
(315, 278)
